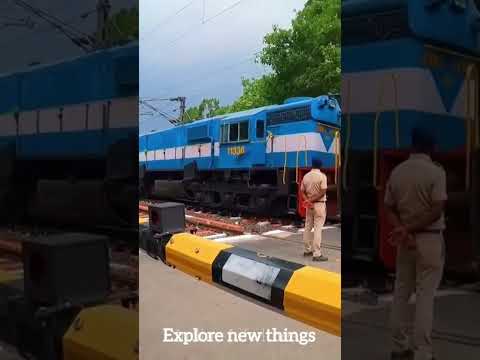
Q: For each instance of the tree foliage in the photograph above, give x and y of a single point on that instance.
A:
(304, 61)
(123, 26)
(207, 108)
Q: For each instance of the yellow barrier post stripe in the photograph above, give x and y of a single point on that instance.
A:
(193, 255)
(314, 296)
(8, 277)
(101, 333)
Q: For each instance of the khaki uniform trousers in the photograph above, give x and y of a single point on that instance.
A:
(315, 217)
(418, 270)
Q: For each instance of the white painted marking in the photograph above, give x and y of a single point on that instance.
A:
(150, 155)
(311, 141)
(216, 236)
(179, 153)
(28, 123)
(170, 154)
(159, 155)
(239, 239)
(95, 116)
(124, 113)
(459, 106)
(192, 151)
(249, 275)
(74, 118)
(8, 127)
(283, 233)
(206, 150)
(416, 90)
(273, 232)
(49, 121)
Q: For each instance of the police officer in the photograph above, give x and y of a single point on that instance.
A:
(415, 199)
(314, 191)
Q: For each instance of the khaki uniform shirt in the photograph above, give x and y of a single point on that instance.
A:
(413, 186)
(313, 182)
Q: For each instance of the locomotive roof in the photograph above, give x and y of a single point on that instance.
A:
(116, 50)
(448, 24)
(289, 103)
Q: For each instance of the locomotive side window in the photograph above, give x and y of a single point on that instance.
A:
(233, 133)
(243, 135)
(260, 130)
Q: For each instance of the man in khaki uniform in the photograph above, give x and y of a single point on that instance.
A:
(415, 198)
(314, 191)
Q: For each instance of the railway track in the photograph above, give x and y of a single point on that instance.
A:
(217, 225)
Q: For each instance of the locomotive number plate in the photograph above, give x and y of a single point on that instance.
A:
(236, 150)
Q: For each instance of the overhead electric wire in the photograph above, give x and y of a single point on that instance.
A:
(54, 20)
(223, 11)
(47, 29)
(68, 30)
(166, 20)
(163, 114)
(187, 32)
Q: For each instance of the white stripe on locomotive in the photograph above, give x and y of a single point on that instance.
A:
(416, 91)
(79, 117)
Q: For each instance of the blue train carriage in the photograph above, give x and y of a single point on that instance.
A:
(248, 161)
(68, 134)
(408, 63)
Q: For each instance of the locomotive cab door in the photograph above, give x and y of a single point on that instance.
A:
(259, 142)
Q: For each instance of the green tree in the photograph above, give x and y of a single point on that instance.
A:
(123, 26)
(304, 60)
(207, 108)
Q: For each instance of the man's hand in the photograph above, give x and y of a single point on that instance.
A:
(401, 236)
(308, 204)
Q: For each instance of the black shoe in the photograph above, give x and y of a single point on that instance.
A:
(307, 253)
(320, 258)
(402, 355)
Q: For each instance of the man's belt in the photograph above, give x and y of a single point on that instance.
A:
(429, 231)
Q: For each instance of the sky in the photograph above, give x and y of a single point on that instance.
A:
(202, 48)
(21, 45)
(199, 52)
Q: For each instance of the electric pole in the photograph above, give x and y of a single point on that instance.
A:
(103, 11)
(182, 100)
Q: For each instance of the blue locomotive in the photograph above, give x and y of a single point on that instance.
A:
(409, 63)
(68, 140)
(247, 161)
